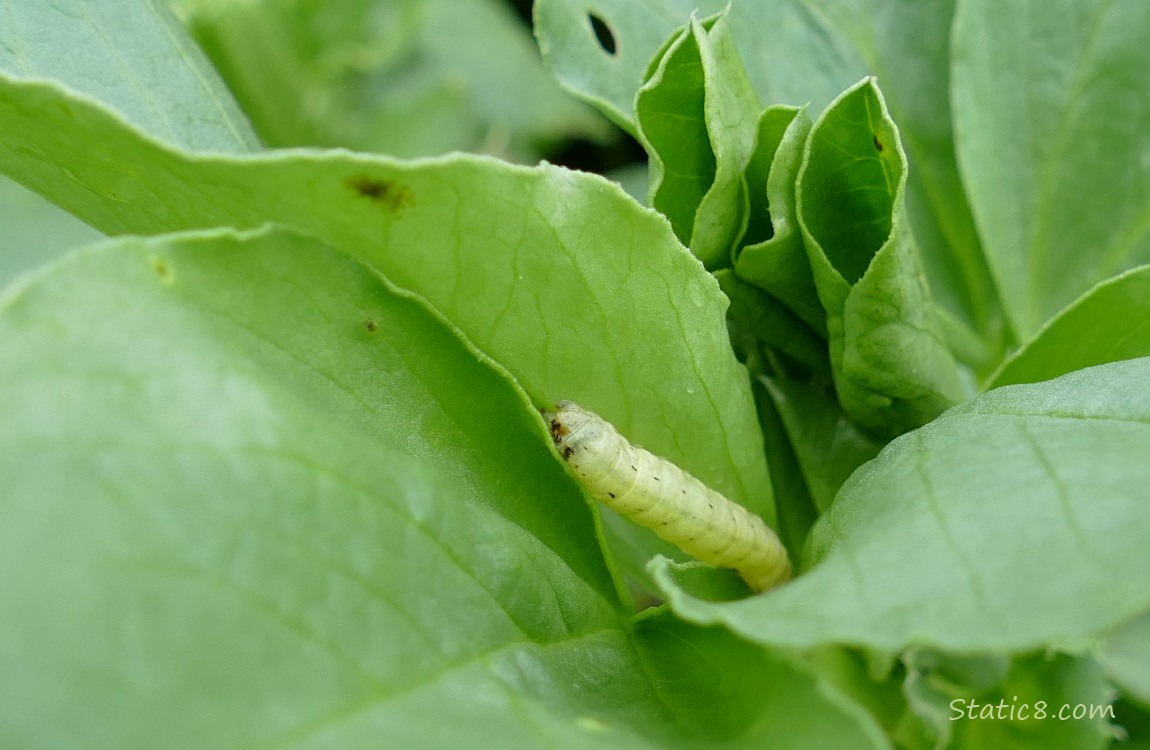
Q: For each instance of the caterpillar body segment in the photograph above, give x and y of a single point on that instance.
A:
(657, 494)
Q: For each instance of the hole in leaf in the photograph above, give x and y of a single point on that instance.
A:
(603, 33)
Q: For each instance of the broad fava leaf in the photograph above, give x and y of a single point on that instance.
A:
(1109, 323)
(559, 276)
(892, 369)
(1049, 107)
(267, 516)
(697, 116)
(774, 257)
(243, 545)
(808, 51)
(135, 58)
(1009, 523)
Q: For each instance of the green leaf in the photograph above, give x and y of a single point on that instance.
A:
(1054, 176)
(1132, 725)
(1066, 685)
(132, 56)
(256, 496)
(879, 691)
(1011, 522)
(772, 126)
(827, 446)
(1125, 653)
(906, 45)
(578, 291)
(33, 231)
(799, 51)
(632, 178)
(775, 700)
(892, 369)
(1109, 323)
(682, 162)
(1043, 701)
(404, 77)
(795, 508)
(778, 261)
(781, 42)
(697, 118)
(234, 468)
(636, 29)
(757, 320)
(935, 679)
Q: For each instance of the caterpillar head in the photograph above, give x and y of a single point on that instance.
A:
(578, 431)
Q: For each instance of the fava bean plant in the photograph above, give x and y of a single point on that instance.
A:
(288, 283)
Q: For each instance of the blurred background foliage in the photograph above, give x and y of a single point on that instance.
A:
(408, 78)
(33, 231)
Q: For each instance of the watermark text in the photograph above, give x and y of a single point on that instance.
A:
(1039, 710)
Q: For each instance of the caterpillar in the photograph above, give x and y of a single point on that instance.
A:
(657, 494)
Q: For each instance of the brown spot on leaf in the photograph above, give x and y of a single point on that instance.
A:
(391, 195)
(877, 144)
(370, 325)
(163, 270)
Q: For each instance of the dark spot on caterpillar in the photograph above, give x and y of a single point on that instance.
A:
(392, 195)
(611, 495)
(656, 478)
(558, 431)
(710, 505)
(634, 469)
(370, 325)
(666, 523)
(877, 144)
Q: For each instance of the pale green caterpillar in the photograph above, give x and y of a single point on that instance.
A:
(655, 493)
